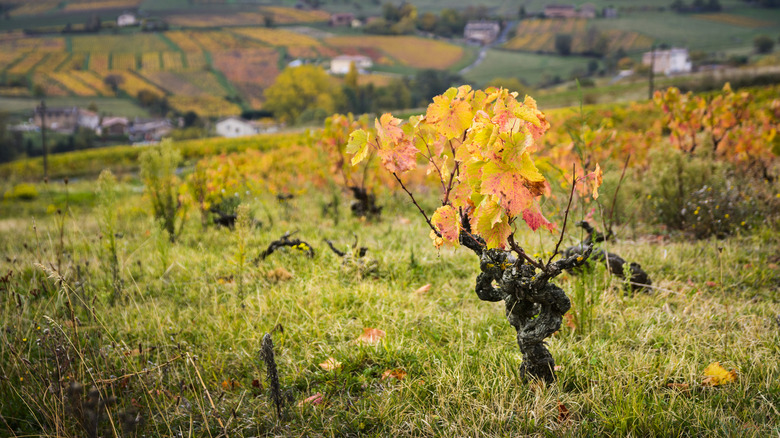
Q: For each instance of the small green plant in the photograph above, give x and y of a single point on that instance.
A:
(158, 172)
(107, 218)
(241, 238)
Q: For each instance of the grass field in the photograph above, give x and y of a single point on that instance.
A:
(531, 68)
(180, 348)
(115, 106)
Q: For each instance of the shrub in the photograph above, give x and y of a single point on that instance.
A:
(23, 191)
(158, 172)
(698, 195)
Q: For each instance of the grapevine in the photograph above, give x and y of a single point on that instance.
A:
(480, 145)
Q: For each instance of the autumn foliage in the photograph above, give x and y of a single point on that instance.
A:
(480, 145)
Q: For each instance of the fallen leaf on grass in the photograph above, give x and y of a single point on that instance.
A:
(279, 274)
(678, 386)
(330, 364)
(569, 321)
(557, 367)
(404, 221)
(257, 384)
(711, 283)
(371, 336)
(394, 374)
(229, 384)
(313, 400)
(715, 375)
(423, 289)
(563, 413)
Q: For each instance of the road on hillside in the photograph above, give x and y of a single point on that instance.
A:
(483, 51)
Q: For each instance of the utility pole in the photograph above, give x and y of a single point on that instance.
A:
(652, 72)
(42, 111)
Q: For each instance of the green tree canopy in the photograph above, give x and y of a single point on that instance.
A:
(302, 89)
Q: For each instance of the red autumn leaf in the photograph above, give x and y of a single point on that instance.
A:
(371, 336)
(257, 384)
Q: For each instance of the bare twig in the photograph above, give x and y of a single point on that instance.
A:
(566, 215)
(417, 205)
(521, 253)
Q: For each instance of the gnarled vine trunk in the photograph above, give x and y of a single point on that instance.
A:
(534, 306)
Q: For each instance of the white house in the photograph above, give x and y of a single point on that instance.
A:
(126, 19)
(482, 32)
(668, 62)
(340, 65)
(236, 127)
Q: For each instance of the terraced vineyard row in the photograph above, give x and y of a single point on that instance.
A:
(539, 36)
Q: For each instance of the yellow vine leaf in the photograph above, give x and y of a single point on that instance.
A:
(447, 222)
(715, 375)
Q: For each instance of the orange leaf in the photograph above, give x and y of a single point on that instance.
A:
(423, 289)
(563, 413)
(394, 374)
(715, 375)
(229, 384)
(330, 364)
(371, 336)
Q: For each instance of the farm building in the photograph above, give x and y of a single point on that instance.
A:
(668, 62)
(588, 10)
(236, 127)
(482, 32)
(126, 19)
(149, 130)
(114, 126)
(342, 19)
(67, 119)
(560, 11)
(340, 65)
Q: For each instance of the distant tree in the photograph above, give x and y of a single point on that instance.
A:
(268, 20)
(93, 23)
(763, 44)
(521, 14)
(190, 119)
(714, 5)
(299, 89)
(92, 107)
(427, 22)
(351, 78)
(563, 44)
(114, 81)
(429, 83)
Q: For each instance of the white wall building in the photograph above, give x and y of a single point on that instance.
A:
(236, 127)
(126, 19)
(668, 62)
(340, 65)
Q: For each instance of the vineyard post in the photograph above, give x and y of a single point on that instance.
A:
(42, 111)
(651, 89)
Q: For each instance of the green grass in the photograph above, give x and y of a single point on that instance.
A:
(107, 105)
(682, 30)
(180, 306)
(529, 67)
